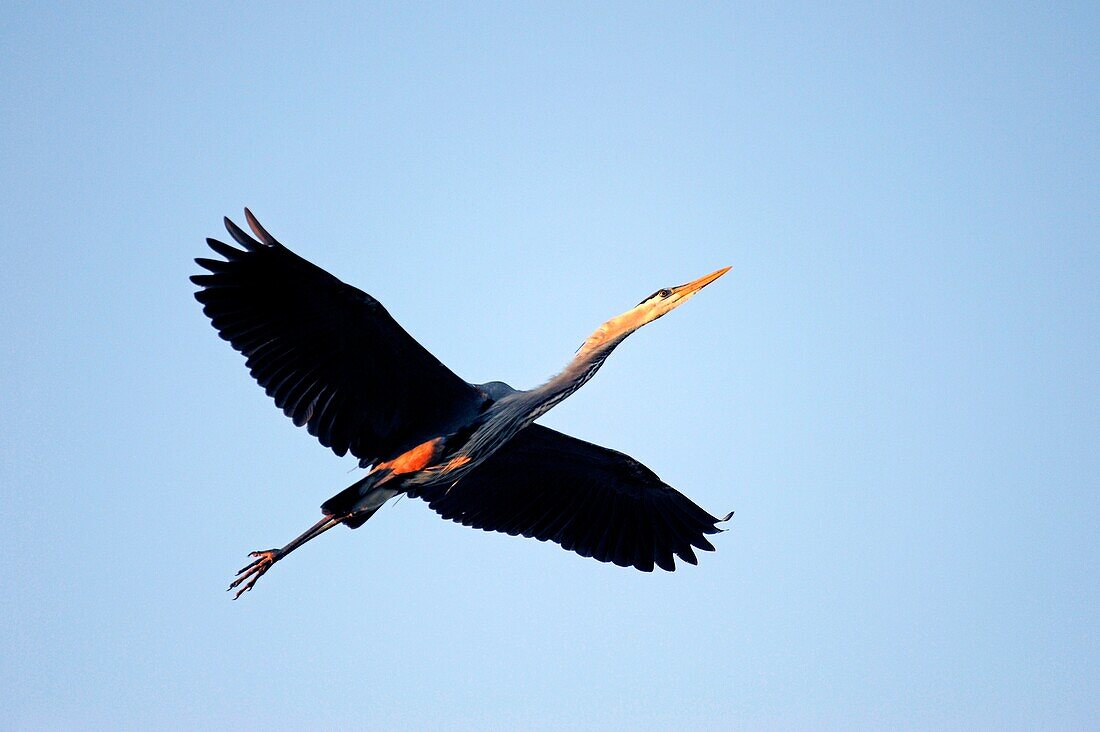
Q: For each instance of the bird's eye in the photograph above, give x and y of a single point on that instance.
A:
(664, 293)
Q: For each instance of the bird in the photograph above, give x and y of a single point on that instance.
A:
(336, 362)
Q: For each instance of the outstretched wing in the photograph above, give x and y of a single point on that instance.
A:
(329, 354)
(594, 501)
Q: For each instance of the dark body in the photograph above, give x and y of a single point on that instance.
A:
(336, 362)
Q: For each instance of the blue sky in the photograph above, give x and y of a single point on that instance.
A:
(896, 388)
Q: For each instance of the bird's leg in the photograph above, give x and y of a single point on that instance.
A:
(247, 577)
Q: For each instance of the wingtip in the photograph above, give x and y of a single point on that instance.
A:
(224, 249)
(260, 232)
(722, 520)
(240, 236)
(687, 555)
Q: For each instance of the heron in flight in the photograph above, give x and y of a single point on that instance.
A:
(336, 362)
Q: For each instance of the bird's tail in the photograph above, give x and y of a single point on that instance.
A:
(359, 518)
(360, 500)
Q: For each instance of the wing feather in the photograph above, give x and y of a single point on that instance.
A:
(589, 499)
(329, 355)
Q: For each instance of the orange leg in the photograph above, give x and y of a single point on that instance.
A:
(266, 559)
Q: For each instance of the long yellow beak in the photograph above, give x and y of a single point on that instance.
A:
(694, 286)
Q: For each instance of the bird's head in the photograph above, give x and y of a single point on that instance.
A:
(668, 298)
(659, 303)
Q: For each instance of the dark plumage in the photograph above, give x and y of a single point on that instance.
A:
(594, 501)
(328, 353)
(336, 362)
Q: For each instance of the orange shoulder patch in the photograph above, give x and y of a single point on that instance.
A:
(415, 459)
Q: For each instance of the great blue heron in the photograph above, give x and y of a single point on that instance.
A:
(335, 361)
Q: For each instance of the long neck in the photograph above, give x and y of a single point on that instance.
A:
(590, 356)
(515, 411)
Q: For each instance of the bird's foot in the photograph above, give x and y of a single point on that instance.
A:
(247, 577)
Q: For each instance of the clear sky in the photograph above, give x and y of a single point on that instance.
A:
(896, 388)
